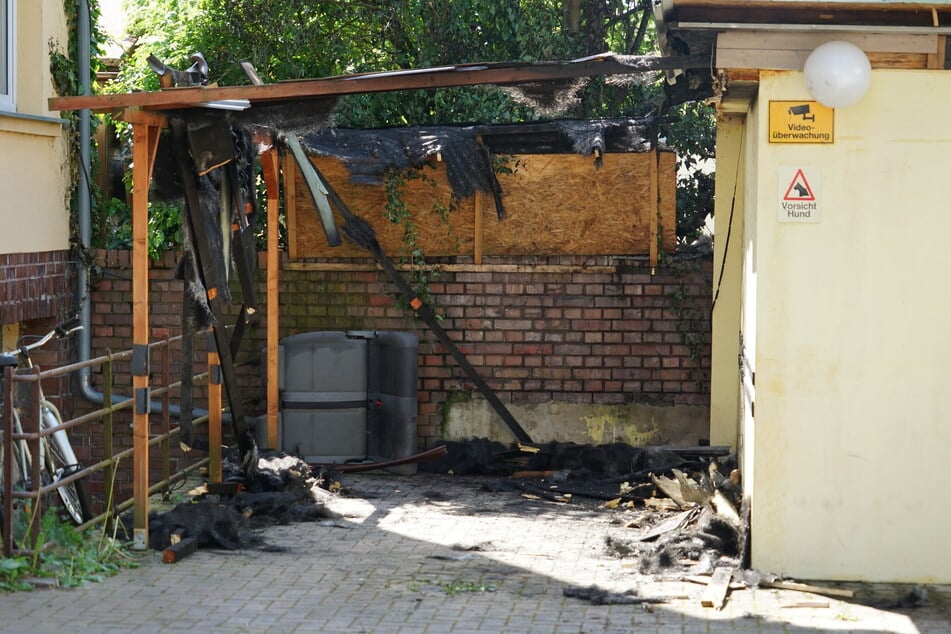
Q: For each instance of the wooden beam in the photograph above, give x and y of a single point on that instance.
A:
(144, 145)
(271, 169)
(413, 79)
(137, 115)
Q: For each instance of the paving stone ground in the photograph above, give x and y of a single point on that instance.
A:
(401, 561)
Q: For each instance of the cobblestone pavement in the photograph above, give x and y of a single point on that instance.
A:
(435, 554)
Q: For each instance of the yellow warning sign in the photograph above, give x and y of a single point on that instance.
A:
(801, 122)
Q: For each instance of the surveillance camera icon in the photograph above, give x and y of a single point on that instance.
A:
(802, 111)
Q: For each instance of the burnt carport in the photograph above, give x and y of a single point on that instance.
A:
(148, 113)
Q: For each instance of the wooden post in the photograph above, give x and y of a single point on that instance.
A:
(214, 413)
(271, 169)
(477, 229)
(654, 210)
(145, 134)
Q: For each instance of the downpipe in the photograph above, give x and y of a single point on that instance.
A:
(84, 210)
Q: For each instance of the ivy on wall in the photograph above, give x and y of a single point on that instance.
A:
(64, 73)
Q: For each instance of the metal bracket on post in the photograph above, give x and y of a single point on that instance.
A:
(141, 362)
(141, 366)
(142, 400)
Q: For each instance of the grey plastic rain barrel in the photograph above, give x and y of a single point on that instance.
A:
(348, 396)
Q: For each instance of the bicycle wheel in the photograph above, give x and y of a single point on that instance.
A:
(73, 494)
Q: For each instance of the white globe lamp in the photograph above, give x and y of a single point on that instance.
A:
(837, 74)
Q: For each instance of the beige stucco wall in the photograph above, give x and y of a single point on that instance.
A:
(727, 267)
(850, 341)
(34, 206)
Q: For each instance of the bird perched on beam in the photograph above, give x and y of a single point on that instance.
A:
(194, 75)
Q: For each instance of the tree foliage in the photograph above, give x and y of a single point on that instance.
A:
(295, 39)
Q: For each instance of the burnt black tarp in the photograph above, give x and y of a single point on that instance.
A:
(467, 151)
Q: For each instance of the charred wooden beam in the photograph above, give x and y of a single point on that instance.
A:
(207, 275)
(413, 79)
(179, 550)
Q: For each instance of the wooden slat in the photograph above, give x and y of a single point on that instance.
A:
(290, 171)
(804, 587)
(778, 50)
(795, 60)
(898, 60)
(477, 241)
(715, 594)
(653, 211)
(799, 41)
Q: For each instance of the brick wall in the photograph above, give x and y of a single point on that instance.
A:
(36, 294)
(34, 286)
(599, 330)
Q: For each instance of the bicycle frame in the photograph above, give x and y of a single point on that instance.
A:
(55, 452)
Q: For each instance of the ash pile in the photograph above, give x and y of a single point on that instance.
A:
(683, 505)
(282, 490)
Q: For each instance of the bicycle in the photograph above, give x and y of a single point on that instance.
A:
(58, 461)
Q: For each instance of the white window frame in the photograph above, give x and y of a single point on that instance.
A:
(8, 61)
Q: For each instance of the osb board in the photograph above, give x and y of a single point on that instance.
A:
(562, 204)
(307, 239)
(555, 204)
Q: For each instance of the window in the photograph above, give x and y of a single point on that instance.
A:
(7, 53)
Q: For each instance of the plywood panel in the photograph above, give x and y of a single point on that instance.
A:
(555, 204)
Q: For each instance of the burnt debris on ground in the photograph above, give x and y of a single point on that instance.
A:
(283, 489)
(685, 504)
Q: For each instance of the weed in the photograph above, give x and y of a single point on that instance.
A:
(61, 552)
(12, 571)
(453, 588)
